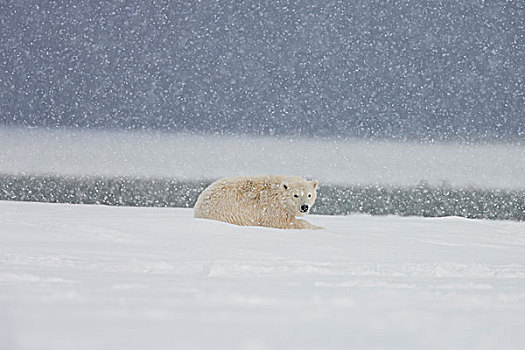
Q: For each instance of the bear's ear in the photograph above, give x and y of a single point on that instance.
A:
(284, 185)
(315, 183)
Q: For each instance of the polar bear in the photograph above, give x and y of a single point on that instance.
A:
(269, 200)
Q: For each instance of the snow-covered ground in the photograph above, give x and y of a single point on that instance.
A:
(189, 157)
(95, 277)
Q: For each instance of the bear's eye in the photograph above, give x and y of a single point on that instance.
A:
(309, 195)
(295, 195)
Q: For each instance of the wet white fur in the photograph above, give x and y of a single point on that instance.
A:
(258, 201)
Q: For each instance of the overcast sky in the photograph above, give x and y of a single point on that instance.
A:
(396, 69)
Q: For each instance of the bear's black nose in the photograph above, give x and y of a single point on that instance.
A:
(304, 208)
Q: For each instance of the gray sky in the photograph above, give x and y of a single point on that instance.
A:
(413, 69)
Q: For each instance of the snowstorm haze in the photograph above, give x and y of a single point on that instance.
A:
(420, 70)
(115, 116)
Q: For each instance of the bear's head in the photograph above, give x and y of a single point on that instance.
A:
(299, 196)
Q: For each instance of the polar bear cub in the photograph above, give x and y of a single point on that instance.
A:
(269, 200)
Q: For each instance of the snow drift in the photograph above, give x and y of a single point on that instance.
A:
(85, 277)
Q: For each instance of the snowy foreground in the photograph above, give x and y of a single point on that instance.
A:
(95, 277)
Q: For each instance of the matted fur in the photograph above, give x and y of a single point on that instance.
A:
(258, 201)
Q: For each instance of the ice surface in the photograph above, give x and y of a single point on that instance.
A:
(97, 277)
(190, 157)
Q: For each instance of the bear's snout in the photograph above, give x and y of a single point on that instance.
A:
(304, 208)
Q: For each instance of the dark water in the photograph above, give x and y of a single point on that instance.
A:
(421, 200)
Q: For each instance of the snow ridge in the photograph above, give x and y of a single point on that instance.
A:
(84, 277)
